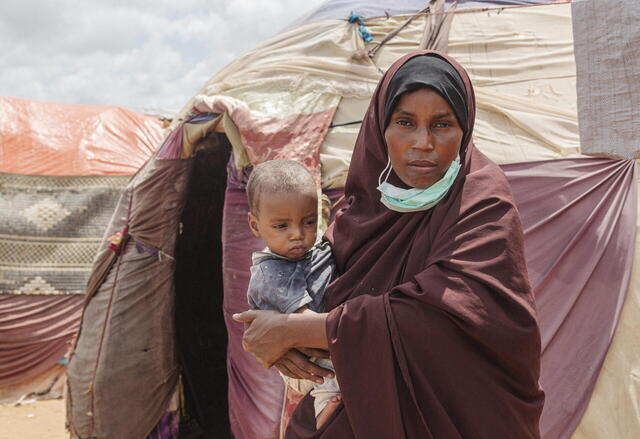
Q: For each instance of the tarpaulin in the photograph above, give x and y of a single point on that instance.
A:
(69, 139)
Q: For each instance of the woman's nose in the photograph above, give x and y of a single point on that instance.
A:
(423, 139)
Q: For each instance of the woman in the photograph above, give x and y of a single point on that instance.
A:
(431, 324)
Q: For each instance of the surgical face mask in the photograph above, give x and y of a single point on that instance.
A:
(415, 199)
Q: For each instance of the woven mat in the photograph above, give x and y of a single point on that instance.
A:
(50, 230)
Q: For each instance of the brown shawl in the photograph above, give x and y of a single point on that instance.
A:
(432, 329)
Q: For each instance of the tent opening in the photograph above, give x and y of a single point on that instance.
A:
(201, 334)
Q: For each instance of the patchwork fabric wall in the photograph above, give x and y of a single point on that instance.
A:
(302, 95)
(62, 170)
(522, 63)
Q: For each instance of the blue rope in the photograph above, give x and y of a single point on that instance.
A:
(364, 33)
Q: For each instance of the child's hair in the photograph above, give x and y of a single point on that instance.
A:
(277, 176)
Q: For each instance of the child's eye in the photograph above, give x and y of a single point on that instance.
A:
(279, 226)
(310, 222)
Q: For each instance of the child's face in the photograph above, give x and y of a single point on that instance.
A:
(287, 222)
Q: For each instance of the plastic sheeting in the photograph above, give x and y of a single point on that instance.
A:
(68, 139)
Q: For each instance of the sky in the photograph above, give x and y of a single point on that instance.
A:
(145, 55)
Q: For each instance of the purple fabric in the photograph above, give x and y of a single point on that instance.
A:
(255, 394)
(579, 219)
(341, 9)
(167, 428)
(172, 146)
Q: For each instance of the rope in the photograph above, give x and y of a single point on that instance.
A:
(354, 122)
(106, 319)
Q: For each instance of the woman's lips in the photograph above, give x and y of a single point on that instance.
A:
(422, 166)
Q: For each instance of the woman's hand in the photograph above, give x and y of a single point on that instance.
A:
(266, 335)
(296, 364)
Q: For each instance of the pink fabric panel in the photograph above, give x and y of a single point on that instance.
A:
(255, 393)
(35, 332)
(580, 219)
(296, 137)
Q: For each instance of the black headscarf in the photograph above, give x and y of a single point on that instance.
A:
(433, 72)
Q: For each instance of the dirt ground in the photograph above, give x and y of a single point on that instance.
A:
(36, 420)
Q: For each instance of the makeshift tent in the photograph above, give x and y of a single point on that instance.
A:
(62, 169)
(181, 267)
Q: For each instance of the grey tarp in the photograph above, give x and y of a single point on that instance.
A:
(123, 371)
(607, 49)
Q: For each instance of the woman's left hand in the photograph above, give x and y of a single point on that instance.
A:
(266, 335)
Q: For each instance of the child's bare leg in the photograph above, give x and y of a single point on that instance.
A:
(326, 412)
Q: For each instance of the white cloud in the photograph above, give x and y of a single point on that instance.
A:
(136, 54)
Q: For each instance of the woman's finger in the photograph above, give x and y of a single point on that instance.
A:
(246, 316)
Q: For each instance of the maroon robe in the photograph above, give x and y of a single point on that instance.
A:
(432, 327)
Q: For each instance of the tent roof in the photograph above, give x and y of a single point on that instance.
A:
(341, 9)
(70, 139)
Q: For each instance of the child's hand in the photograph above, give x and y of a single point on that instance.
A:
(295, 364)
(315, 353)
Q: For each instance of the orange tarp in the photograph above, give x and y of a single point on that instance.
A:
(70, 139)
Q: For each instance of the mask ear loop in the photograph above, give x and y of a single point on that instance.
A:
(388, 167)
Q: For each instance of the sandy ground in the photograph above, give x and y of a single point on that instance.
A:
(37, 420)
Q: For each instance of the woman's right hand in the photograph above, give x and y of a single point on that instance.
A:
(295, 364)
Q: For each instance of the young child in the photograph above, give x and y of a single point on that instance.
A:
(292, 272)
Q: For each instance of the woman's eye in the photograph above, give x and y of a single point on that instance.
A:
(403, 122)
(442, 124)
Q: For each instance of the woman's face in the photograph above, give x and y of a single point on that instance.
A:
(423, 137)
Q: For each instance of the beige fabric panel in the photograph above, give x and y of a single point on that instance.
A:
(614, 409)
(520, 61)
(312, 58)
(522, 66)
(336, 150)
